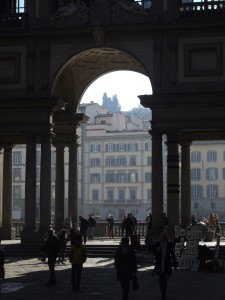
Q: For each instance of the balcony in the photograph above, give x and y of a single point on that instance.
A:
(202, 9)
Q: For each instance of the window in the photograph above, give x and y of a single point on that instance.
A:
(16, 192)
(110, 195)
(53, 157)
(95, 162)
(149, 194)
(53, 173)
(133, 147)
(132, 160)
(196, 205)
(110, 177)
(17, 158)
(211, 174)
(223, 173)
(133, 177)
(196, 191)
(223, 155)
(149, 160)
(211, 156)
(122, 147)
(148, 177)
(122, 161)
(95, 178)
(110, 161)
(148, 146)
(109, 147)
(95, 148)
(95, 195)
(195, 174)
(121, 195)
(212, 191)
(133, 194)
(213, 205)
(121, 177)
(38, 157)
(195, 156)
(16, 174)
(38, 174)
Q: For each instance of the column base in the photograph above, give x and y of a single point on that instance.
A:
(30, 237)
(8, 233)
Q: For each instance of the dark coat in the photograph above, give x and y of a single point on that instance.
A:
(125, 263)
(170, 259)
(52, 246)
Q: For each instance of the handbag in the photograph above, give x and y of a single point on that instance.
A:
(135, 284)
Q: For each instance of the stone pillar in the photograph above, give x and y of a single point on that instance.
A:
(7, 231)
(72, 188)
(157, 182)
(173, 185)
(185, 183)
(30, 184)
(45, 183)
(59, 187)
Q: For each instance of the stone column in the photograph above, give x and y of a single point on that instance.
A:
(173, 185)
(7, 231)
(59, 187)
(45, 183)
(157, 181)
(185, 183)
(30, 184)
(72, 188)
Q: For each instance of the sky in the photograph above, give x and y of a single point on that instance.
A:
(127, 85)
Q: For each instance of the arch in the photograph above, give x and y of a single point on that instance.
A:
(82, 69)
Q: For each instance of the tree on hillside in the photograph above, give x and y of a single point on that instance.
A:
(112, 104)
(141, 112)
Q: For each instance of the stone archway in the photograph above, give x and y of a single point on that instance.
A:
(82, 69)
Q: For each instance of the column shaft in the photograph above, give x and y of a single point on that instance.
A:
(30, 184)
(157, 182)
(45, 183)
(173, 185)
(185, 184)
(7, 193)
(59, 187)
(72, 189)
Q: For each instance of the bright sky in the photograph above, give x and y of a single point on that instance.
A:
(127, 85)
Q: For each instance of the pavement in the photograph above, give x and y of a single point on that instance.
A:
(26, 279)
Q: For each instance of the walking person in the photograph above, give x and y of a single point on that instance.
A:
(51, 247)
(129, 226)
(164, 261)
(110, 221)
(125, 265)
(84, 224)
(62, 245)
(91, 227)
(77, 258)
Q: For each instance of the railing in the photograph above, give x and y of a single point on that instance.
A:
(101, 229)
(13, 21)
(202, 9)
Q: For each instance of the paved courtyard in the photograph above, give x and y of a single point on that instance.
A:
(26, 279)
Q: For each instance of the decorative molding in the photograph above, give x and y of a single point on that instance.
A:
(10, 67)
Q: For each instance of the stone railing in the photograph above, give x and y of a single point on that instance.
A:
(101, 229)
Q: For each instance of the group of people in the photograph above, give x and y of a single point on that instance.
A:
(55, 247)
(128, 225)
(124, 260)
(126, 263)
(212, 222)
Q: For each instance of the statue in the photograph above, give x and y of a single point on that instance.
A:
(76, 6)
(130, 6)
